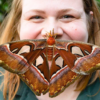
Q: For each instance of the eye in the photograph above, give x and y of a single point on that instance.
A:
(36, 17)
(67, 16)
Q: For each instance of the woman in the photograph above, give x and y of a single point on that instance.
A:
(31, 19)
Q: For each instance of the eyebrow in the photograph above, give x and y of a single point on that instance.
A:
(60, 11)
(69, 10)
(36, 10)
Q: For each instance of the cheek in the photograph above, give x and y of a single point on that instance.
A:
(78, 33)
(29, 31)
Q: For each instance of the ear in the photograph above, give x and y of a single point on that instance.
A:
(91, 15)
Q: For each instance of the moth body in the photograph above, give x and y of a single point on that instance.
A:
(50, 53)
(51, 41)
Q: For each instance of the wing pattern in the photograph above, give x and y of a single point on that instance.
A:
(50, 68)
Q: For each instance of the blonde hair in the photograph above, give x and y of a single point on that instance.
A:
(9, 32)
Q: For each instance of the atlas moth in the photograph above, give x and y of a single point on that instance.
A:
(49, 65)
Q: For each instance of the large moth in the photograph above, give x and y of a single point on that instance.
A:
(49, 64)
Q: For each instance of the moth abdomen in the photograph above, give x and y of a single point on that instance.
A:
(50, 53)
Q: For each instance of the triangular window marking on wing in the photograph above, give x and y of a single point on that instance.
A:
(59, 61)
(39, 61)
(77, 51)
(24, 49)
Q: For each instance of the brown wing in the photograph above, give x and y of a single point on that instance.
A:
(81, 58)
(77, 59)
(28, 59)
(21, 58)
(60, 76)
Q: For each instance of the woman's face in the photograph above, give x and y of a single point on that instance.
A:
(66, 17)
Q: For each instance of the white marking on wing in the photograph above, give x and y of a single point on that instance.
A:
(77, 50)
(39, 61)
(24, 49)
(59, 62)
(14, 50)
(87, 52)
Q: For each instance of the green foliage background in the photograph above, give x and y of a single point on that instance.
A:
(98, 2)
(5, 5)
(4, 8)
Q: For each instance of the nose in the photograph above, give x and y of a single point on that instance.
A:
(53, 26)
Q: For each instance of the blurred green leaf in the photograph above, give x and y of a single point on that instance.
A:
(4, 8)
(98, 0)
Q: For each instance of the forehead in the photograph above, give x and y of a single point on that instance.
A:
(51, 4)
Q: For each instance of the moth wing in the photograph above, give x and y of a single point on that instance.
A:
(61, 75)
(20, 58)
(81, 58)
